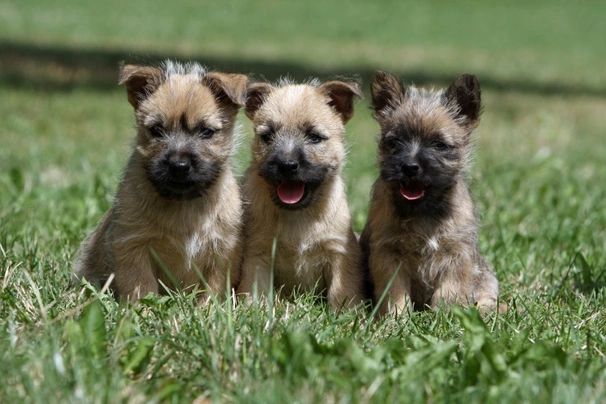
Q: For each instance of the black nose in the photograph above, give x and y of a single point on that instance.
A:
(179, 165)
(288, 166)
(411, 169)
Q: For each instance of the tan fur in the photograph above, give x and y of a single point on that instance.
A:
(316, 250)
(429, 259)
(203, 232)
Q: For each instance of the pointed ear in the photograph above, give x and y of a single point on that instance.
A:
(386, 90)
(341, 95)
(140, 81)
(255, 97)
(465, 92)
(227, 87)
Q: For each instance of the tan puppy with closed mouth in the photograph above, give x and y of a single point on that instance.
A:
(178, 209)
(294, 192)
(422, 230)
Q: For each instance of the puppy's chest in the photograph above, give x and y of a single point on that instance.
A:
(198, 245)
(418, 254)
(303, 263)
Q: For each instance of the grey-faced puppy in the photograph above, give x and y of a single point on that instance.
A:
(178, 208)
(422, 230)
(295, 194)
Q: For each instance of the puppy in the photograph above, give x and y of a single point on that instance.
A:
(295, 194)
(421, 234)
(176, 216)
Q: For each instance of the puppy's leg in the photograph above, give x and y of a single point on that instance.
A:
(345, 281)
(256, 277)
(135, 273)
(214, 282)
(221, 271)
(216, 277)
(94, 260)
(384, 267)
(455, 283)
(486, 290)
(397, 300)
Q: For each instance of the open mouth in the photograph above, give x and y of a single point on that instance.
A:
(291, 192)
(412, 190)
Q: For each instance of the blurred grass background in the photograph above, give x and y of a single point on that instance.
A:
(538, 175)
(540, 45)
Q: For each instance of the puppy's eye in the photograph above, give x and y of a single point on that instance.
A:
(315, 138)
(205, 133)
(267, 136)
(440, 145)
(390, 142)
(156, 131)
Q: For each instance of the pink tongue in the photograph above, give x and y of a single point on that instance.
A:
(412, 193)
(291, 192)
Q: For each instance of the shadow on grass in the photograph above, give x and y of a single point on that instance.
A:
(55, 68)
(588, 278)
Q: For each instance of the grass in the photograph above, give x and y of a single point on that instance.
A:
(537, 179)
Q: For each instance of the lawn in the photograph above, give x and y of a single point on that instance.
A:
(538, 180)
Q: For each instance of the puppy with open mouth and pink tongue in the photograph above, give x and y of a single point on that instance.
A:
(291, 192)
(420, 242)
(412, 192)
(295, 196)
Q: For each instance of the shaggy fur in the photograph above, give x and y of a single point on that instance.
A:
(294, 193)
(178, 209)
(422, 228)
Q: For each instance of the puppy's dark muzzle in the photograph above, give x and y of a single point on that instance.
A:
(287, 168)
(411, 170)
(179, 167)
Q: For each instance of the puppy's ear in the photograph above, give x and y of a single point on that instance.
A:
(465, 93)
(140, 81)
(386, 90)
(227, 87)
(255, 97)
(341, 95)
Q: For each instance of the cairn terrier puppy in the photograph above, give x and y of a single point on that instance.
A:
(176, 216)
(421, 234)
(294, 193)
